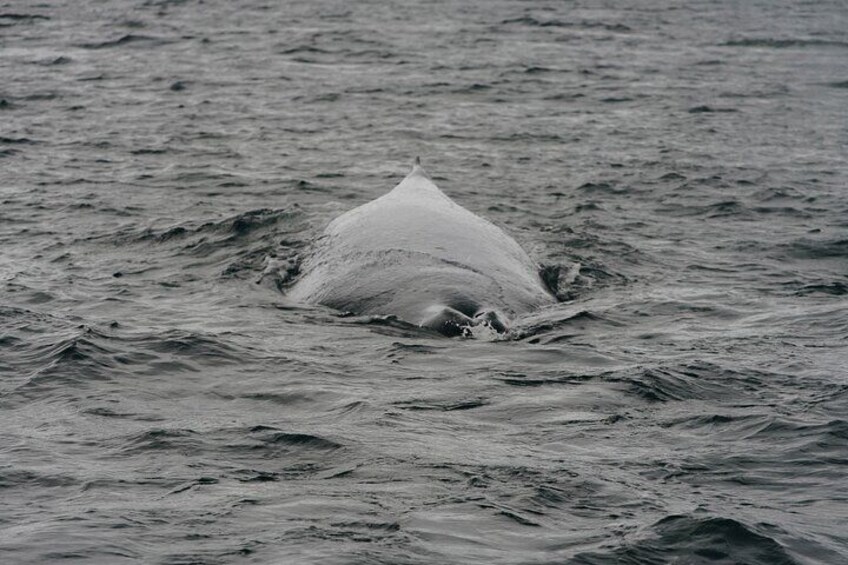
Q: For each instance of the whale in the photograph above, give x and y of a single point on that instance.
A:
(420, 257)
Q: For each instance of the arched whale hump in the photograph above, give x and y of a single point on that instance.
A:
(416, 254)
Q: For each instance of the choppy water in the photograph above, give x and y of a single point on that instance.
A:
(687, 401)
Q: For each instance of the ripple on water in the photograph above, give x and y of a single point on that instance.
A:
(691, 539)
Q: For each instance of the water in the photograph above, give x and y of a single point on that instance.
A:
(686, 401)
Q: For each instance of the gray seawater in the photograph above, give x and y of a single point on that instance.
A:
(162, 163)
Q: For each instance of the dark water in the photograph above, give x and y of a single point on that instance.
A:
(686, 402)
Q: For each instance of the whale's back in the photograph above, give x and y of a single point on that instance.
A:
(414, 248)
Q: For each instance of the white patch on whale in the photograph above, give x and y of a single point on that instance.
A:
(417, 255)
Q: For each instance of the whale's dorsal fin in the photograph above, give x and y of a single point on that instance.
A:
(417, 169)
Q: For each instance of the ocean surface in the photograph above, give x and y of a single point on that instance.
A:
(679, 170)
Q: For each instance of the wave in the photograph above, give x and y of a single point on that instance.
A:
(58, 362)
(27, 479)
(532, 21)
(186, 441)
(9, 19)
(665, 384)
(240, 246)
(806, 248)
(54, 357)
(661, 384)
(776, 43)
(704, 109)
(827, 288)
(128, 39)
(690, 539)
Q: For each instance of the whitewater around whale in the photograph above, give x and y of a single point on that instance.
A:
(415, 254)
